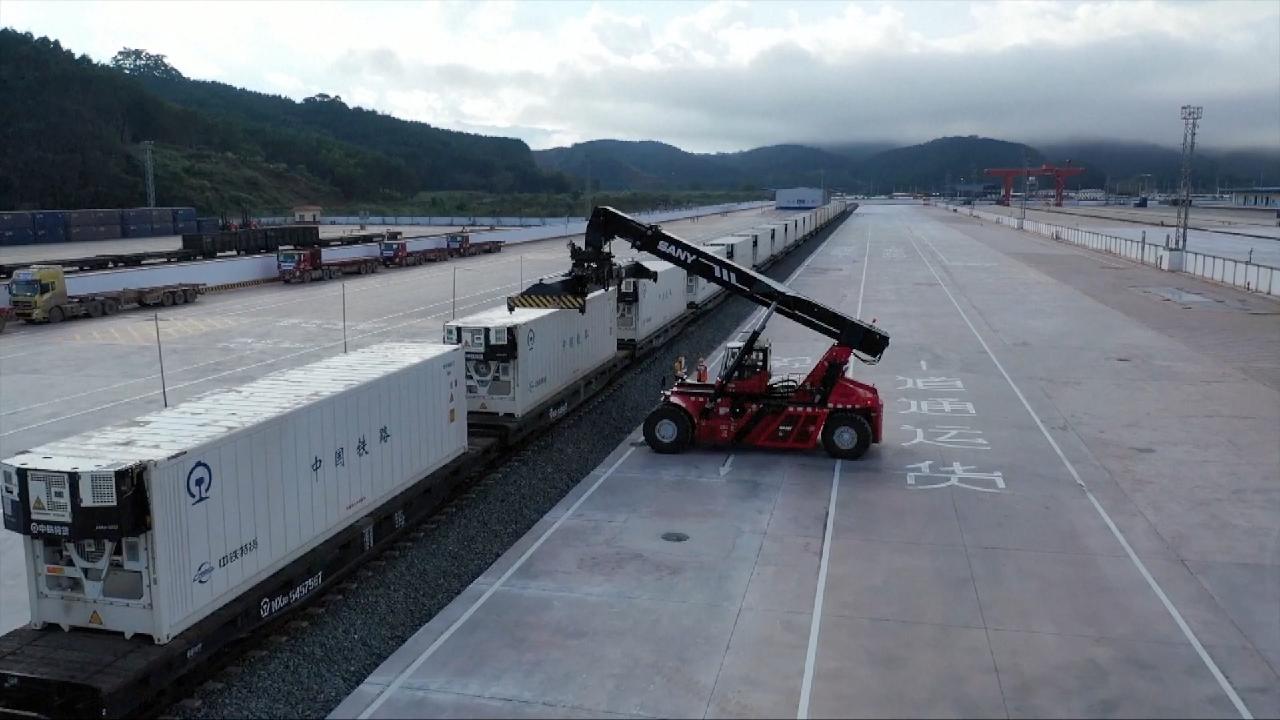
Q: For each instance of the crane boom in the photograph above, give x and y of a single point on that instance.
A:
(606, 224)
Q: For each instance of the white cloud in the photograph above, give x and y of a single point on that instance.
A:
(728, 75)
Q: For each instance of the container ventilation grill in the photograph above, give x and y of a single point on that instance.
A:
(102, 489)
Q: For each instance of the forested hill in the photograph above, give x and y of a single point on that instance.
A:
(72, 130)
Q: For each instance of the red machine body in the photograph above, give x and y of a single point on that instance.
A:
(755, 409)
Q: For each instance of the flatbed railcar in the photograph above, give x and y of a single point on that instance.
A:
(76, 673)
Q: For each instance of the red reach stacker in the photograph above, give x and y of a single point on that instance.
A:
(744, 404)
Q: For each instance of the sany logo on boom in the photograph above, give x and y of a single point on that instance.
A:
(687, 257)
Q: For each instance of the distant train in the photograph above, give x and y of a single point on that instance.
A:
(248, 241)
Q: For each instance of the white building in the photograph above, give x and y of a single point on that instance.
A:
(801, 198)
(307, 214)
(1264, 197)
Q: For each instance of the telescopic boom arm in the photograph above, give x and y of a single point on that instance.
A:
(867, 341)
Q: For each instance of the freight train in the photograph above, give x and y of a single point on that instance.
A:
(151, 545)
(210, 244)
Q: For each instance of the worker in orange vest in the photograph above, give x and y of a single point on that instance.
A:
(702, 370)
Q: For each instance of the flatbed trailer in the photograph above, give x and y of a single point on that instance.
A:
(38, 295)
(106, 262)
(404, 252)
(461, 245)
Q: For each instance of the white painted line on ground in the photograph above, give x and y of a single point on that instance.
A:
(386, 692)
(862, 286)
(815, 624)
(726, 466)
(1133, 556)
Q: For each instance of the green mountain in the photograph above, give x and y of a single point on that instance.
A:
(72, 130)
(645, 165)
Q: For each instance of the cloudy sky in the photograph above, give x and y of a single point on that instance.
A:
(729, 75)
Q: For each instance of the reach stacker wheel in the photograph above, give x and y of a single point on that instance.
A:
(668, 429)
(846, 436)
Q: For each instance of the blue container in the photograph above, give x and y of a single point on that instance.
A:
(15, 221)
(184, 215)
(48, 220)
(208, 224)
(186, 226)
(53, 234)
(137, 230)
(17, 236)
(135, 216)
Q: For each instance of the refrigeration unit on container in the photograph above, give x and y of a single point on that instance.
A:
(800, 198)
(517, 360)
(646, 306)
(699, 290)
(150, 526)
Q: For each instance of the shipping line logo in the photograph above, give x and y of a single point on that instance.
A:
(199, 482)
(203, 573)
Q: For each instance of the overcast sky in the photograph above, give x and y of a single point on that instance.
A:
(726, 75)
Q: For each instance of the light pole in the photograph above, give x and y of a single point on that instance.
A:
(164, 390)
(344, 318)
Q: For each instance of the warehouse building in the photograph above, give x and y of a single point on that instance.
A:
(1267, 197)
(801, 198)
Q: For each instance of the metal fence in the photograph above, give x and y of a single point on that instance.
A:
(1248, 275)
(1243, 274)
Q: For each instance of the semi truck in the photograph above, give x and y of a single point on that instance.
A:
(38, 294)
(307, 264)
(461, 245)
(413, 251)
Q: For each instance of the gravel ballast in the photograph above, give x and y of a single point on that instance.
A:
(323, 660)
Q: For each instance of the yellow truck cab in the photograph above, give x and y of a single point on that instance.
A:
(35, 290)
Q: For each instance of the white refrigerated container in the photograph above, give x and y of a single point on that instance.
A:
(739, 248)
(759, 247)
(699, 290)
(647, 306)
(188, 508)
(518, 360)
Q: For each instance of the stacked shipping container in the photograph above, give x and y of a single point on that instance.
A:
(55, 226)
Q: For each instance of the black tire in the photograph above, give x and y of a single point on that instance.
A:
(668, 429)
(166, 298)
(55, 314)
(846, 436)
(110, 307)
(95, 308)
(179, 297)
(191, 294)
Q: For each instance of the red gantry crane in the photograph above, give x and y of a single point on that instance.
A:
(1059, 174)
